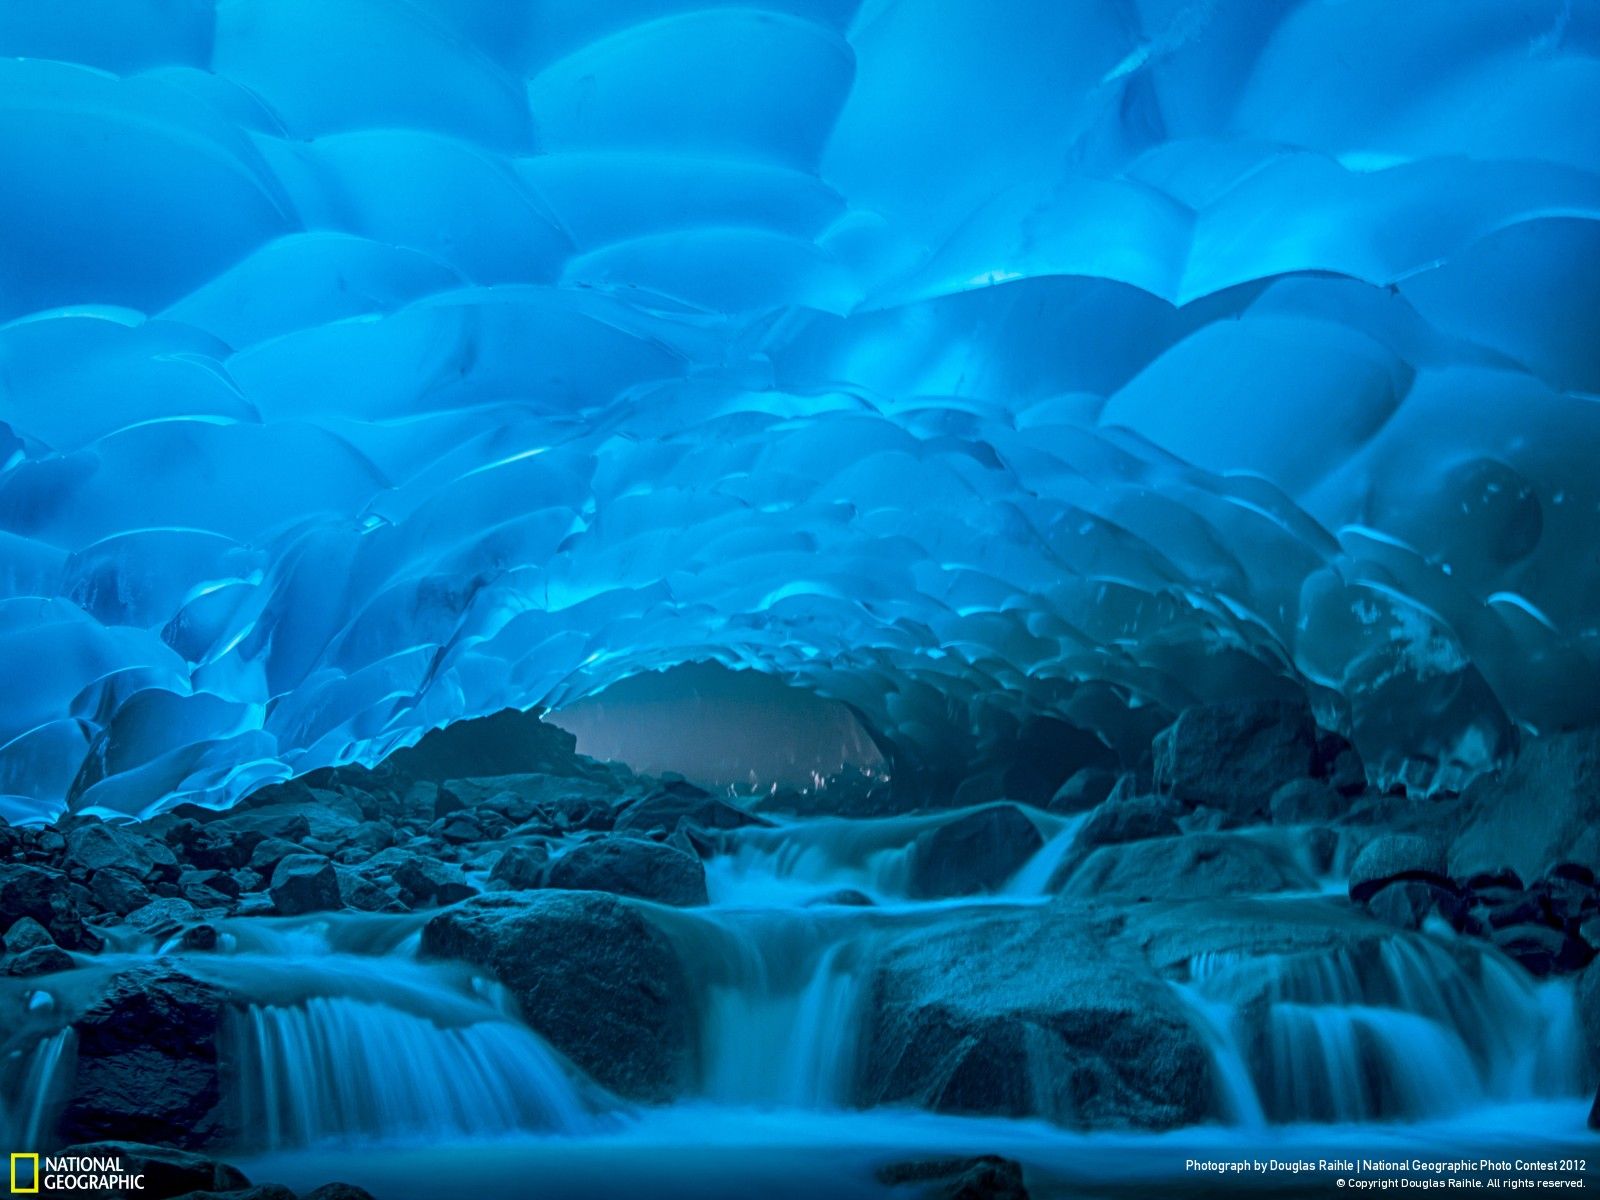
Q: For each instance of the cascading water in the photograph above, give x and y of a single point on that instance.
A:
(33, 1086)
(1400, 1027)
(781, 999)
(342, 1068)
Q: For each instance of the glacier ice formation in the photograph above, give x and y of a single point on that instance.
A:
(366, 364)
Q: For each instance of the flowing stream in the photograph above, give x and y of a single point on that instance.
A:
(346, 1040)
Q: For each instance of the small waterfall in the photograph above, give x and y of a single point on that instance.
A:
(1397, 1028)
(782, 1003)
(1035, 876)
(33, 1087)
(341, 1068)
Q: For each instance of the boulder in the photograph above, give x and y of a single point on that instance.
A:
(99, 847)
(661, 810)
(41, 960)
(46, 896)
(628, 866)
(269, 852)
(521, 867)
(162, 918)
(976, 852)
(167, 1172)
(1392, 857)
(591, 974)
(1542, 810)
(423, 879)
(1235, 755)
(26, 934)
(304, 883)
(1033, 1013)
(147, 1062)
(1191, 866)
(365, 894)
(118, 892)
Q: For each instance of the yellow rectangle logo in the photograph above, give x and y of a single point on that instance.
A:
(16, 1188)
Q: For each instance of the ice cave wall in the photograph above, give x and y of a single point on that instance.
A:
(366, 364)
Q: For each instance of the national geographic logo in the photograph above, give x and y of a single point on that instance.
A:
(31, 1174)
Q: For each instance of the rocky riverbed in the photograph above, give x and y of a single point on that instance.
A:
(1233, 932)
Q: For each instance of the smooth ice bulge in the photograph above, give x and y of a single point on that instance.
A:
(365, 366)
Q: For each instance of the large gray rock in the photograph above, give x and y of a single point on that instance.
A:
(1542, 810)
(1235, 755)
(44, 895)
(423, 879)
(522, 867)
(1035, 1013)
(1188, 867)
(661, 811)
(304, 883)
(974, 853)
(1396, 857)
(100, 847)
(1118, 821)
(591, 974)
(147, 1062)
(634, 867)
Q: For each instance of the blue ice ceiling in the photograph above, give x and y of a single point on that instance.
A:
(367, 364)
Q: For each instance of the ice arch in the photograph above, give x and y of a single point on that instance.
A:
(366, 364)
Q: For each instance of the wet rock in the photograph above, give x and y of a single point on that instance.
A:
(1236, 755)
(365, 894)
(1114, 823)
(1543, 809)
(628, 866)
(591, 974)
(974, 853)
(305, 883)
(1084, 790)
(41, 960)
(1188, 867)
(164, 917)
(985, 1177)
(269, 852)
(520, 867)
(92, 848)
(661, 811)
(26, 934)
(365, 840)
(423, 879)
(118, 892)
(1036, 1013)
(44, 895)
(167, 1172)
(147, 1062)
(1391, 857)
(1306, 802)
(1407, 903)
(1542, 950)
